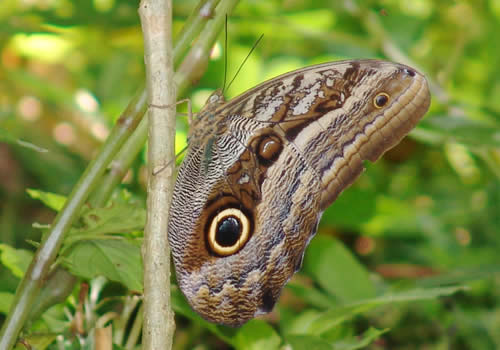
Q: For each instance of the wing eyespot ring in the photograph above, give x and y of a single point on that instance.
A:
(228, 232)
(268, 149)
(380, 100)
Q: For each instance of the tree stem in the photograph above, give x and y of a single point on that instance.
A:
(156, 21)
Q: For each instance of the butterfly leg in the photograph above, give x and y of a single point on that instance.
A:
(184, 100)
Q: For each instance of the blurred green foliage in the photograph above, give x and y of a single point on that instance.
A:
(422, 222)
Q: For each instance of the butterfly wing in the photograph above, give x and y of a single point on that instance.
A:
(264, 166)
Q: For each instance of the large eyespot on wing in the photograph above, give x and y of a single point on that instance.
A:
(228, 231)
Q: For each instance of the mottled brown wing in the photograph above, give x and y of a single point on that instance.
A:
(262, 167)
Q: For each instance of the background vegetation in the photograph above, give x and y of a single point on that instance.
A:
(407, 258)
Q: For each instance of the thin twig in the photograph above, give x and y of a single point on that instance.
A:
(156, 22)
(203, 12)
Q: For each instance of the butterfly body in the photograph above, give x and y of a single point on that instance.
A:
(260, 170)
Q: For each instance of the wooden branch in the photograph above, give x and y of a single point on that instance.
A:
(156, 21)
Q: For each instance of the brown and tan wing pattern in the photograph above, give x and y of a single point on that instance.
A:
(261, 168)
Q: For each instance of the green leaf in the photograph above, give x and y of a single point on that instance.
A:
(334, 317)
(415, 294)
(300, 324)
(256, 335)
(313, 296)
(394, 217)
(337, 270)
(117, 218)
(118, 260)
(16, 260)
(308, 342)
(337, 315)
(445, 128)
(351, 209)
(361, 341)
(51, 200)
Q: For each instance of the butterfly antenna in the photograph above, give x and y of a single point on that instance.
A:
(246, 58)
(225, 55)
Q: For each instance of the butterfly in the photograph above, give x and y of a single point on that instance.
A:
(261, 168)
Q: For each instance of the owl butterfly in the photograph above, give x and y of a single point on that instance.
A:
(261, 169)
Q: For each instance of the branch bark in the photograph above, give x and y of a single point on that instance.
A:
(156, 21)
